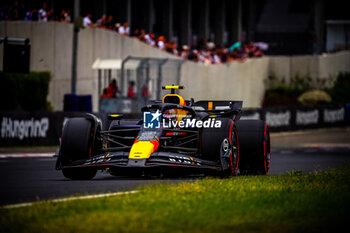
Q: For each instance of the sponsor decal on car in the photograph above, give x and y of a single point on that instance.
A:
(183, 160)
(99, 159)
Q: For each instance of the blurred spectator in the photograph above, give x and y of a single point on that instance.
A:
(13, 11)
(61, 18)
(110, 22)
(258, 52)
(51, 15)
(184, 52)
(145, 92)
(142, 35)
(171, 47)
(101, 22)
(131, 89)
(202, 50)
(149, 37)
(35, 15)
(234, 54)
(43, 13)
(250, 50)
(65, 16)
(261, 45)
(87, 21)
(104, 94)
(32, 15)
(125, 30)
(193, 56)
(205, 57)
(210, 45)
(113, 89)
(117, 26)
(28, 15)
(21, 10)
(136, 33)
(217, 56)
(161, 42)
(243, 52)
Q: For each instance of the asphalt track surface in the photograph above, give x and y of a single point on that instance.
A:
(32, 179)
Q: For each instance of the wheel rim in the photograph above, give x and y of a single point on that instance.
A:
(267, 149)
(234, 158)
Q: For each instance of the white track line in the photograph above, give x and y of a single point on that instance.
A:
(69, 199)
(29, 155)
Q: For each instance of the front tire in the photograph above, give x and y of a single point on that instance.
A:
(222, 145)
(77, 139)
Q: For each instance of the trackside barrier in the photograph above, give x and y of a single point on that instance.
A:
(45, 128)
(296, 118)
(348, 113)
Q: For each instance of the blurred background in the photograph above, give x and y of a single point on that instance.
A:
(289, 61)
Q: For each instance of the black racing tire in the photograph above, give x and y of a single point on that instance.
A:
(255, 147)
(76, 144)
(211, 144)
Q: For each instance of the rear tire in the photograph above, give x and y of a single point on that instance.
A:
(255, 148)
(76, 144)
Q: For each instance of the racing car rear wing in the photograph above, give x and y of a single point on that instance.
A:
(217, 106)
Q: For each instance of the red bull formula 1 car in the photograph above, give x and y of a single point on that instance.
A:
(173, 136)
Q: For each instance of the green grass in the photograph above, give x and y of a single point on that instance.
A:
(295, 202)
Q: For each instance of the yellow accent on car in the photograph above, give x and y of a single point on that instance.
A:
(179, 99)
(210, 105)
(176, 99)
(174, 87)
(115, 116)
(141, 150)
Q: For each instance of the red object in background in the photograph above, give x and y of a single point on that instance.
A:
(131, 92)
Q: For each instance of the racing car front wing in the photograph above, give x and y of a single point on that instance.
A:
(157, 160)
